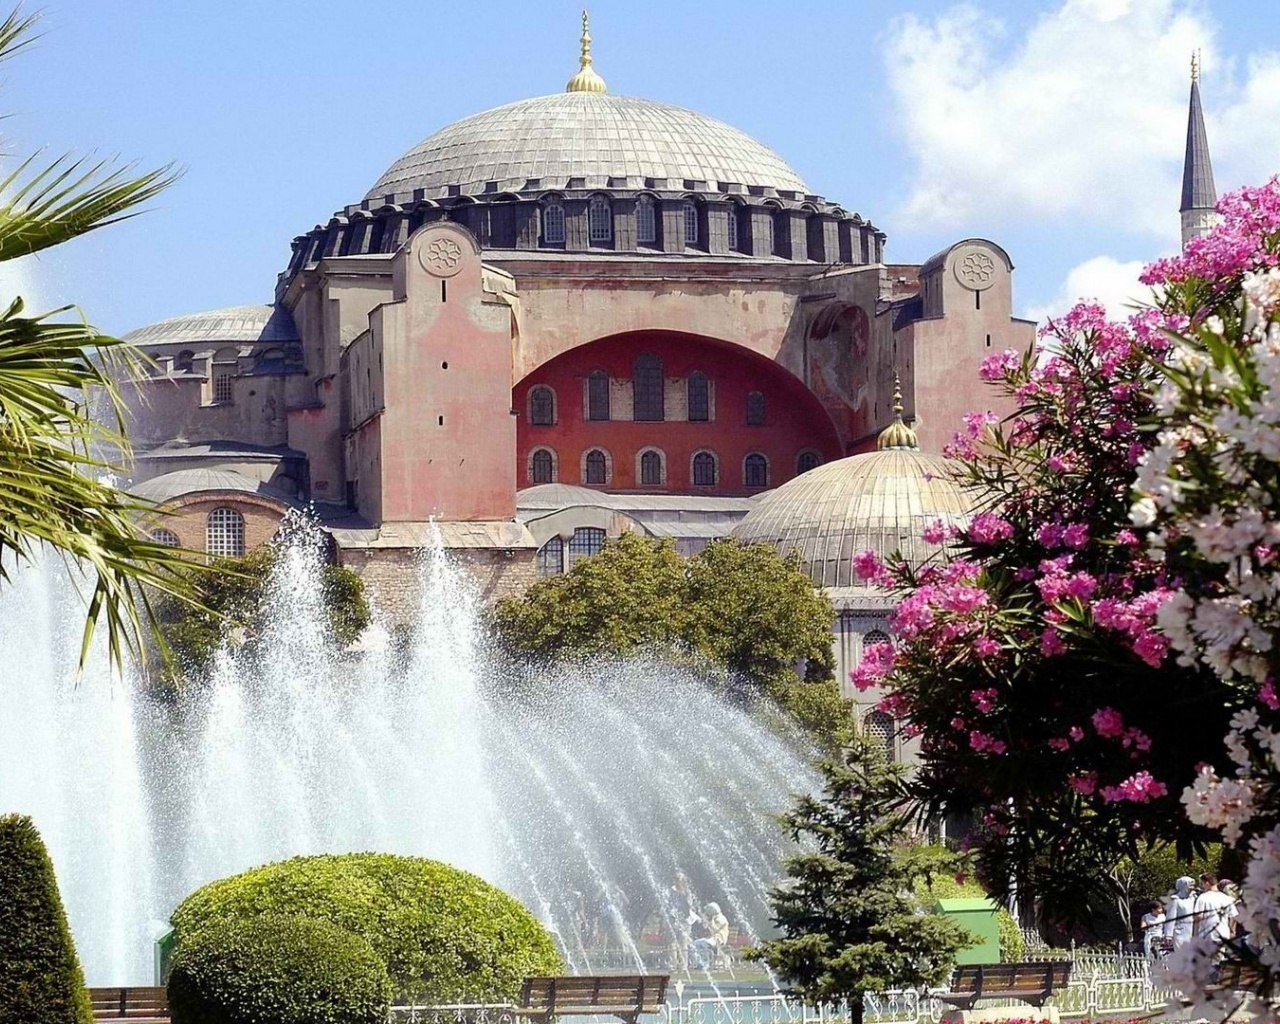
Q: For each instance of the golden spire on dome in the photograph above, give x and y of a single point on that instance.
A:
(586, 80)
(897, 434)
(1195, 66)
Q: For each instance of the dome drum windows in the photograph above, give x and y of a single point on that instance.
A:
(543, 466)
(542, 406)
(224, 533)
(731, 228)
(705, 469)
(646, 221)
(755, 471)
(691, 212)
(553, 222)
(599, 221)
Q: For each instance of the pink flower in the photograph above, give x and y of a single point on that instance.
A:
(1267, 695)
(958, 724)
(1139, 789)
(1076, 733)
(868, 568)
(986, 647)
(988, 528)
(1128, 538)
(1084, 784)
(934, 533)
(1108, 722)
(1049, 535)
(1051, 644)
(997, 365)
(1075, 536)
(984, 700)
(1151, 647)
(1059, 744)
(875, 664)
(984, 744)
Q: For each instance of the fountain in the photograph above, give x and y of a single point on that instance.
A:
(581, 791)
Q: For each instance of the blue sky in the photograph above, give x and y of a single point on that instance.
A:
(1055, 128)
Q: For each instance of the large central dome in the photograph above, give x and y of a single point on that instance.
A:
(589, 135)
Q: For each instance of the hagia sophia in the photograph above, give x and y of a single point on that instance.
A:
(575, 316)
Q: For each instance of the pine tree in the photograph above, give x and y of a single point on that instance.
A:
(40, 977)
(849, 920)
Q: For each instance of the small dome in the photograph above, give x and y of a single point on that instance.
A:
(168, 486)
(879, 501)
(589, 135)
(235, 323)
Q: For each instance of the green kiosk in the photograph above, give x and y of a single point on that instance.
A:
(977, 916)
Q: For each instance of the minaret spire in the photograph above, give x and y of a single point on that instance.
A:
(1199, 196)
(586, 80)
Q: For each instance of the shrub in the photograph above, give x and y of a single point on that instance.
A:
(939, 886)
(277, 970)
(40, 977)
(444, 934)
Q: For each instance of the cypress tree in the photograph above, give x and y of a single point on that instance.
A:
(40, 977)
(849, 920)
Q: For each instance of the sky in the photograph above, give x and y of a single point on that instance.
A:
(1053, 127)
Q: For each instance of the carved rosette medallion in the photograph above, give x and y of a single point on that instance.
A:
(976, 270)
(441, 256)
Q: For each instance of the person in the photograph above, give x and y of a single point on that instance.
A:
(716, 937)
(1152, 924)
(1215, 912)
(1179, 915)
(683, 916)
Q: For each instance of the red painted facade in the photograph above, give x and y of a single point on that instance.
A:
(794, 419)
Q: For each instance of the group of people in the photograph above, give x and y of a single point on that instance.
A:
(699, 935)
(1208, 911)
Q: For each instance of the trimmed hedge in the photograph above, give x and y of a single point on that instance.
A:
(40, 977)
(277, 970)
(445, 935)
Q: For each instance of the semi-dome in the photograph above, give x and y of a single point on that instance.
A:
(234, 323)
(594, 136)
(880, 501)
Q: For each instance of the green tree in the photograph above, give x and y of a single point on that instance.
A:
(40, 977)
(850, 921)
(745, 610)
(54, 485)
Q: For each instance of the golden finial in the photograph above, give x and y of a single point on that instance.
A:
(1195, 66)
(586, 80)
(897, 434)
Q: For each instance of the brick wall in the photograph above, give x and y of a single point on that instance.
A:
(187, 518)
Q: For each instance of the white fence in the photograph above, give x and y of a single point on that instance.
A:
(1102, 985)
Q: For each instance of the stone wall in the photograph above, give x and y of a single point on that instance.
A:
(186, 517)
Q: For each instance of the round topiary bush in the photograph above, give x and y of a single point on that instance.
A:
(277, 970)
(40, 977)
(445, 935)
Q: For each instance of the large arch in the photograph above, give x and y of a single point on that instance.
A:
(795, 418)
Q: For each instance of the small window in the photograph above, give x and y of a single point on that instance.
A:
(553, 222)
(705, 470)
(733, 227)
(222, 389)
(598, 396)
(873, 637)
(648, 399)
(651, 469)
(690, 223)
(646, 220)
(879, 729)
(542, 467)
(551, 558)
(698, 389)
(166, 537)
(183, 362)
(755, 470)
(600, 219)
(542, 407)
(586, 541)
(224, 533)
(755, 409)
(806, 461)
(597, 468)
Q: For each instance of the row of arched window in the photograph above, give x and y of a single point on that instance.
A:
(223, 534)
(600, 222)
(596, 469)
(648, 397)
(555, 556)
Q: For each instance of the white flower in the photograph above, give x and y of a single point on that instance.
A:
(1143, 512)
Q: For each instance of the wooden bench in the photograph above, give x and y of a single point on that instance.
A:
(625, 996)
(1234, 976)
(1032, 982)
(135, 1004)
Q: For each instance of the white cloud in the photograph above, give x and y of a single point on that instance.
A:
(1083, 118)
(1105, 279)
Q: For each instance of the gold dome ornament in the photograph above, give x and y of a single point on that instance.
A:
(897, 434)
(586, 80)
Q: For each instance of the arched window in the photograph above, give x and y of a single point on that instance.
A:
(224, 533)
(183, 361)
(166, 537)
(223, 374)
(586, 541)
(698, 389)
(599, 219)
(651, 468)
(879, 729)
(690, 223)
(647, 397)
(598, 396)
(551, 558)
(705, 470)
(755, 470)
(873, 637)
(542, 406)
(646, 220)
(597, 468)
(733, 227)
(806, 461)
(553, 222)
(542, 467)
(755, 409)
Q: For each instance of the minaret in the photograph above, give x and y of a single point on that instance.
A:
(586, 80)
(1198, 194)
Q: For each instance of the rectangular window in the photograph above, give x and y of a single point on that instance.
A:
(587, 541)
(598, 397)
(222, 385)
(733, 228)
(646, 220)
(699, 397)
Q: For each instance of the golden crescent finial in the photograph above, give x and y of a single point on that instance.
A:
(1195, 66)
(586, 80)
(897, 434)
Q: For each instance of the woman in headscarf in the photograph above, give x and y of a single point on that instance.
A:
(1179, 915)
